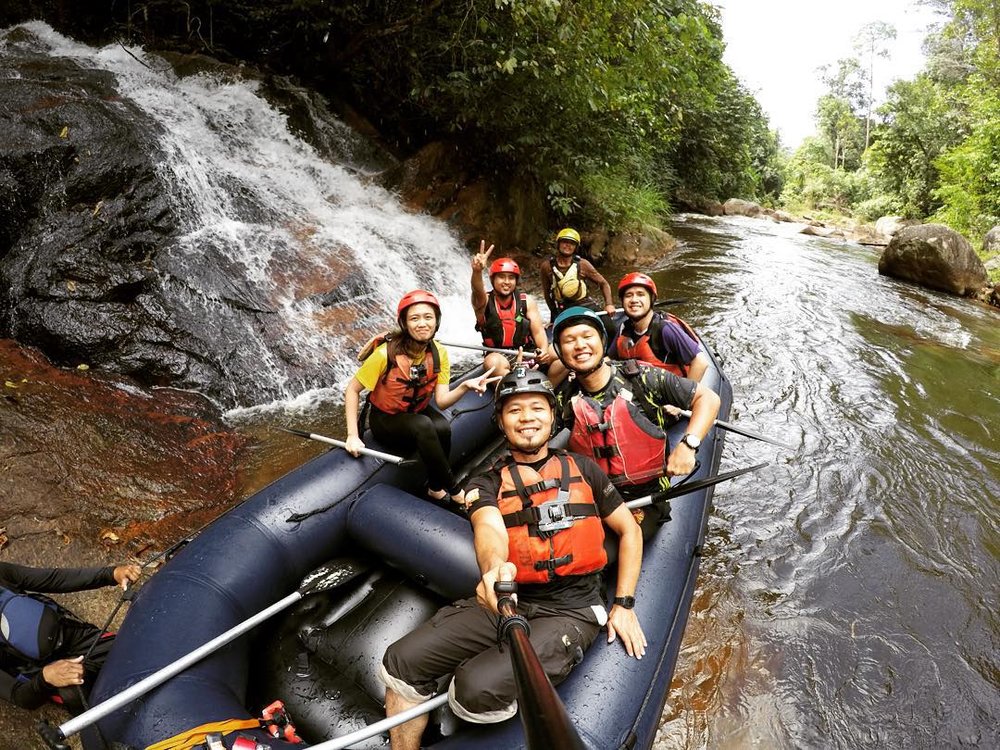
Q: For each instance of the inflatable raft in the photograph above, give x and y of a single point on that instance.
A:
(402, 558)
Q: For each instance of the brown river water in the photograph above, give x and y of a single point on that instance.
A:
(848, 594)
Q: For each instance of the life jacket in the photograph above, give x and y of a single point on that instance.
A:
(553, 525)
(405, 387)
(568, 286)
(506, 327)
(601, 431)
(29, 625)
(649, 347)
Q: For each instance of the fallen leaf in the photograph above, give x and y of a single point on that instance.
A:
(109, 537)
(71, 285)
(97, 208)
(83, 367)
(64, 133)
(10, 384)
(66, 540)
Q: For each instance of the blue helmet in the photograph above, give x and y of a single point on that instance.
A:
(572, 316)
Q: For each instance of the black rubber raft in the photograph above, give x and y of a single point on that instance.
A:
(405, 557)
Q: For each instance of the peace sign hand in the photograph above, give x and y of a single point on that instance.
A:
(482, 258)
(480, 383)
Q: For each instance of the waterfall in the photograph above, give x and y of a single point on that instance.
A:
(268, 224)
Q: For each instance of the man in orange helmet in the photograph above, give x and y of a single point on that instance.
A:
(508, 318)
(565, 276)
(661, 339)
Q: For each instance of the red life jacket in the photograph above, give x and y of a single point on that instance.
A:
(553, 525)
(601, 431)
(405, 388)
(506, 327)
(650, 348)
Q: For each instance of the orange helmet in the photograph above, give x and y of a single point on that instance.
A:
(637, 279)
(412, 298)
(505, 265)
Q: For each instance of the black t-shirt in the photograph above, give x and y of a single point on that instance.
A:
(563, 591)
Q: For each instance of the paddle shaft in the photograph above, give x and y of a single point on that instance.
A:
(738, 430)
(684, 489)
(546, 724)
(478, 348)
(98, 712)
(339, 743)
(387, 457)
(659, 303)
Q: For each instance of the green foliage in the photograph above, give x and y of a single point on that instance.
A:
(583, 96)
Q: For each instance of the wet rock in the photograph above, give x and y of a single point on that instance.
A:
(934, 256)
(991, 242)
(508, 212)
(698, 204)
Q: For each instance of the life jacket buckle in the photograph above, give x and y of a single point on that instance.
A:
(553, 516)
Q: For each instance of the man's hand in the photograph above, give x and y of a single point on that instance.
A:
(681, 460)
(624, 623)
(485, 595)
(482, 258)
(64, 673)
(610, 309)
(126, 574)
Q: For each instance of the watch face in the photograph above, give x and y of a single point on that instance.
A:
(692, 441)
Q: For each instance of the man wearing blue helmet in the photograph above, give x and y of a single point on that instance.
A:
(615, 410)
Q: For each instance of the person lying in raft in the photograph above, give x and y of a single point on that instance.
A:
(561, 595)
(42, 644)
(661, 339)
(508, 318)
(404, 374)
(615, 412)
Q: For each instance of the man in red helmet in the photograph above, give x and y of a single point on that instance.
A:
(508, 318)
(661, 339)
(565, 276)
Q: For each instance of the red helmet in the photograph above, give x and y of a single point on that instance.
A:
(505, 265)
(636, 279)
(412, 298)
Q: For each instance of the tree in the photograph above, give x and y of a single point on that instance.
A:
(871, 42)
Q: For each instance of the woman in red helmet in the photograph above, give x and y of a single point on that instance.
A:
(508, 318)
(404, 374)
(663, 340)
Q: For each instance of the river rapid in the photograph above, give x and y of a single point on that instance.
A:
(848, 594)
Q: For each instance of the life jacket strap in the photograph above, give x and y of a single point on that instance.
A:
(606, 451)
(553, 563)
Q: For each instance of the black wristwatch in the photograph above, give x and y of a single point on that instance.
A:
(625, 601)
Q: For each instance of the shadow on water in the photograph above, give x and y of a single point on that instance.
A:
(848, 594)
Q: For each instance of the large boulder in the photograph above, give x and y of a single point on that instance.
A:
(934, 256)
(740, 207)
(889, 225)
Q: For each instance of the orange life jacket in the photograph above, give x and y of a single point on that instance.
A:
(619, 436)
(405, 387)
(553, 525)
(506, 327)
(650, 348)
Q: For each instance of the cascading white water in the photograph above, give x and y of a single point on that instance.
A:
(294, 224)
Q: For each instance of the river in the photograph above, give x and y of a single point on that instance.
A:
(848, 595)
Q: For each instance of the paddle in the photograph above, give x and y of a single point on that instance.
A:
(546, 724)
(387, 457)
(478, 348)
(684, 489)
(322, 579)
(674, 411)
(347, 740)
(658, 303)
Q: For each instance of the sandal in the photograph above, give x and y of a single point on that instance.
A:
(458, 497)
(436, 494)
